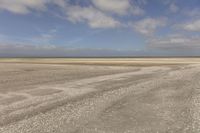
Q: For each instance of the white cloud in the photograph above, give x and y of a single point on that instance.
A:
(75, 13)
(148, 26)
(120, 7)
(115, 6)
(93, 17)
(176, 42)
(173, 8)
(190, 26)
(100, 14)
(22, 6)
(25, 6)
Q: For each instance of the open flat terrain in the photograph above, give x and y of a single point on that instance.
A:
(116, 95)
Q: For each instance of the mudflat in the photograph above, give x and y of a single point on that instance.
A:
(116, 95)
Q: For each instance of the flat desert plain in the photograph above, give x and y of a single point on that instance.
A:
(104, 95)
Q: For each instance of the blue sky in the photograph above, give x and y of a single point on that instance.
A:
(99, 27)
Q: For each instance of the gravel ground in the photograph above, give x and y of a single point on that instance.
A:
(50, 98)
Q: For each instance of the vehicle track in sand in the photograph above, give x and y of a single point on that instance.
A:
(147, 100)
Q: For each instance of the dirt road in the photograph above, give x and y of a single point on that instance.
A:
(50, 98)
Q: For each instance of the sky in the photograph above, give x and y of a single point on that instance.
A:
(61, 28)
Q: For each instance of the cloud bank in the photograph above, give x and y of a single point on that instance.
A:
(175, 42)
(29, 50)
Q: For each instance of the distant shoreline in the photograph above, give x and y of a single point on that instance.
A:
(105, 57)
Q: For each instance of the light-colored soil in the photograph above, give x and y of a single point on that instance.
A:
(104, 61)
(51, 96)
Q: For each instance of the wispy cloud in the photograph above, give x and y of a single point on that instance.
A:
(83, 37)
(22, 6)
(26, 6)
(194, 13)
(45, 37)
(148, 26)
(190, 26)
(120, 7)
(175, 42)
(173, 8)
(94, 18)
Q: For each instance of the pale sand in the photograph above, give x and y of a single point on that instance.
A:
(144, 96)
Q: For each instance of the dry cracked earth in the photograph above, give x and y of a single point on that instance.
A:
(63, 98)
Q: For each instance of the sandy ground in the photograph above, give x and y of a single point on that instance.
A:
(144, 96)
